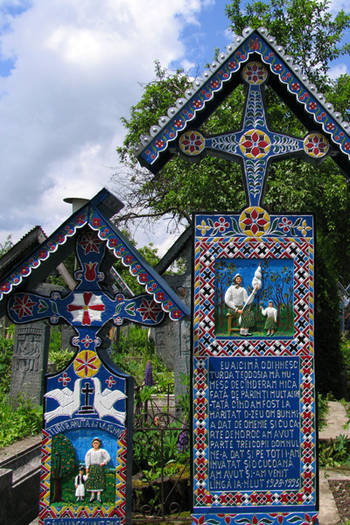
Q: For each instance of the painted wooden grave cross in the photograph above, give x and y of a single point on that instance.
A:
(253, 403)
(86, 465)
(255, 144)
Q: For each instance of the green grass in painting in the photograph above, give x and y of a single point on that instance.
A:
(284, 325)
(68, 491)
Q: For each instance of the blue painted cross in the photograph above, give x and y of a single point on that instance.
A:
(87, 308)
(255, 144)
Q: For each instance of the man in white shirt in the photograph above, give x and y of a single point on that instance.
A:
(237, 299)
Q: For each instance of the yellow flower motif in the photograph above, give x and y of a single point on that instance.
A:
(303, 228)
(203, 227)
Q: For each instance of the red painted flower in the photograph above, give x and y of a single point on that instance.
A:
(198, 103)
(295, 86)
(143, 277)
(5, 287)
(87, 340)
(191, 143)
(178, 123)
(96, 222)
(222, 224)
(254, 73)
(176, 314)
(312, 106)
(285, 224)
(254, 144)
(316, 145)
(215, 84)
(277, 67)
(160, 296)
(80, 219)
(64, 379)
(160, 143)
(232, 64)
(347, 146)
(330, 126)
(113, 242)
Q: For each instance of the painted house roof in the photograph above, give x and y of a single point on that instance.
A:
(96, 214)
(285, 77)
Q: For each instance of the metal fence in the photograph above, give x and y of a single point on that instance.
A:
(161, 464)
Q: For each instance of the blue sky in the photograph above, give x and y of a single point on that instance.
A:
(68, 72)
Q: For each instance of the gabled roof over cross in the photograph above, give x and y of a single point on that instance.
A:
(96, 215)
(254, 59)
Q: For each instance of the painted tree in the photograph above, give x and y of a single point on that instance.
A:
(63, 464)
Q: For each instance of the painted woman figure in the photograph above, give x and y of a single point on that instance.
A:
(95, 460)
(271, 318)
(236, 298)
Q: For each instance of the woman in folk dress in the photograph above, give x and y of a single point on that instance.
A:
(95, 460)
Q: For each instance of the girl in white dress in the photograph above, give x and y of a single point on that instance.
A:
(79, 483)
(271, 318)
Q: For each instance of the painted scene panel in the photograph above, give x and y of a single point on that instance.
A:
(254, 298)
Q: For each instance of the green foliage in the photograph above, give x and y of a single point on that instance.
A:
(335, 453)
(322, 410)
(68, 491)
(6, 245)
(63, 460)
(345, 351)
(15, 424)
(6, 351)
(155, 449)
(57, 356)
(26, 419)
(132, 351)
(306, 29)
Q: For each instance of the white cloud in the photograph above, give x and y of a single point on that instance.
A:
(337, 5)
(336, 71)
(78, 69)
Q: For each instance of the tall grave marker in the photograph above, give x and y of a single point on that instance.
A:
(86, 448)
(253, 388)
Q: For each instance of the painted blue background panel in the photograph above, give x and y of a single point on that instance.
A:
(254, 423)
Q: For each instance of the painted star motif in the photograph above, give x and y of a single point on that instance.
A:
(149, 310)
(23, 306)
(90, 243)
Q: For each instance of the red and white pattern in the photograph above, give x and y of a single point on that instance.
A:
(86, 308)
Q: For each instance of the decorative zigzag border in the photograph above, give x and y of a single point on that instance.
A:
(80, 511)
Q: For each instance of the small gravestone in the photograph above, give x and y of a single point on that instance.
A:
(173, 340)
(29, 361)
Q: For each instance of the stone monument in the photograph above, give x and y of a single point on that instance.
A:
(29, 361)
(254, 423)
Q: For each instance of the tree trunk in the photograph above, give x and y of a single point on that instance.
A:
(57, 490)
